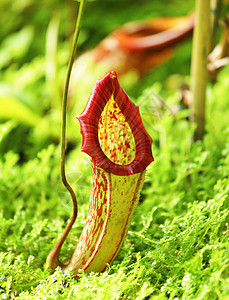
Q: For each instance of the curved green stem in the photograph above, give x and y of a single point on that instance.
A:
(53, 257)
(64, 103)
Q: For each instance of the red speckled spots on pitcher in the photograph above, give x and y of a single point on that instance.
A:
(115, 136)
(97, 212)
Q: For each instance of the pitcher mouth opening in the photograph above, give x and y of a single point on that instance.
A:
(139, 154)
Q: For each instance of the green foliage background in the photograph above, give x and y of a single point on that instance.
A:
(177, 246)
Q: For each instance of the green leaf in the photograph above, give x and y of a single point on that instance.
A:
(12, 108)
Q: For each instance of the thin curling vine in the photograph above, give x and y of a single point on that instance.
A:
(52, 259)
(120, 150)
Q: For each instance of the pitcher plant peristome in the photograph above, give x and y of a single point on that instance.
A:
(120, 149)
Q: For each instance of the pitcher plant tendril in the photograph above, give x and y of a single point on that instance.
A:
(120, 149)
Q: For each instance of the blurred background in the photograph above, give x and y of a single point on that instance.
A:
(35, 46)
